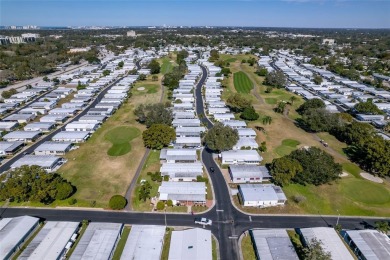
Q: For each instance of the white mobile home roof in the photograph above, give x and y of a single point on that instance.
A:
(13, 231)
(195, 167)
(144, 243)
(331, 242)
(241, 155)
(248, 171)
(71, 135)
(372, 244)
(98, 241)
(53, 146)
(194, 244)
(273, 244)
(235, 123)
(43, 161)
(51, 241)
(261, 192)
(21, 135)
(184, 191)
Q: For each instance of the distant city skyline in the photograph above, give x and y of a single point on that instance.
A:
(246, 13)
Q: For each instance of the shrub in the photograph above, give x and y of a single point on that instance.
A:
(117, 202)
(169, 203)
(72, 201)
(160, 205)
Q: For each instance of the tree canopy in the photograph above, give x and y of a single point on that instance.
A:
(249, 114)
(154, 66)
(32, 183)
(221, 138)
(367, 107)
(158, 136)
(117, 202)
(311, 104)
(275, 79)
(153, 114)
(238, 102)
(305, 166)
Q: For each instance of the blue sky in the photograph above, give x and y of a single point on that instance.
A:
(262, 13)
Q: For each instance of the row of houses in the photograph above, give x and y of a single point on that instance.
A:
(55, 239)
(48, 154)
(180, 164)
(333, 89)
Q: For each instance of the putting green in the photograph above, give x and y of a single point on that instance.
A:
(120, 138)
(366, 192)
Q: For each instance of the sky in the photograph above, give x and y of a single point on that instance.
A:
(257, 13)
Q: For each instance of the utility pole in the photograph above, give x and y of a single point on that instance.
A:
(338, 217)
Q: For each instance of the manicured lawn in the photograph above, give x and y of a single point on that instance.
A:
(366, 192)
(121, 243)
(248, 251)
(333, 142)
(242, 83)
(352, 169)
(166, 65)
(214, 248)
(230, 60)
(120, 138)
(149, 89)
(288, 145)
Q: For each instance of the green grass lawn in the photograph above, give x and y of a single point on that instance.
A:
(366, 192)
(242, 83)
(120, 138)
(214, 248)
(288, 145)
(152, 164)
(333, 142)
(352, 169)
(166, 65)
(230, 60)
(121, 243)
(248, 252)
(149, 89)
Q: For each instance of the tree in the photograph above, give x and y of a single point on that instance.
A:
(225, 71)
(262, 71)
(387, 127)
(154, 66)
(284, 169)
(158, 136)
(367, 108)
(46, 79)
(292, 99)
(249, 114)
(275, 79)
(117, 202)
(263, 147)
(181, 55)
(320, 120)
(144, 191)
(169, 203)
(7, 94)
(318, 166)
(382, 226)
(317, 79)
(153, 114)
(81, 86)
(32, 183)
(238, 102)
(160, 205)
(311, 104)
(64, 190)
(155, 78)
(221, 138)
(106, 72)
(314, 251)
(281, 107)
(214, 55)
(267, 120)
(121, 64)
(142, 77)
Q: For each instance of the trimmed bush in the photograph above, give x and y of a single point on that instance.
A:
(160, 205)
(117, 202)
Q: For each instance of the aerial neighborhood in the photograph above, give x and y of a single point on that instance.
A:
(194, 142)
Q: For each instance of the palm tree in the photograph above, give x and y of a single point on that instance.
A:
(267, 120)
(280, 108)
(292, 99)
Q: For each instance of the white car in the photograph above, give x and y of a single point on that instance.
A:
(203, 221)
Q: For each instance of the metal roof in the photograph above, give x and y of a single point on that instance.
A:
(235, 123)
(371, 243)
(71, 135)
(144, 243)
(21, 134)
(261, 192)
(9, 146)
(50, 241)
(331, 241)
(13, 231)
(244, 155)
(194, 244)
(44, 161)
(195, 167)
(248, 171)
(43, 125)
(188, 140)
(273, 244)
(98, 241)
(191, 191)
(53, 146)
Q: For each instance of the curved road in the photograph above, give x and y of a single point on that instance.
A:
(228, 222)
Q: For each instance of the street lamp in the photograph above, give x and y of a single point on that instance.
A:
(338, 217)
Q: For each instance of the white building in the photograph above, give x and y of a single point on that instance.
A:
(194, 244)
(182, 171)
(248, 173)
(183, 192)
(241, 157)
(261, 195)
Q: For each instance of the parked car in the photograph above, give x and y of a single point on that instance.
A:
(203, 221)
